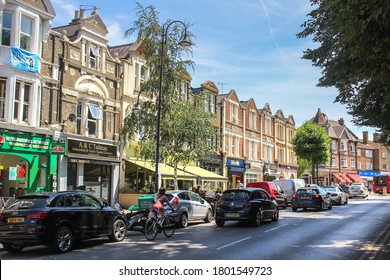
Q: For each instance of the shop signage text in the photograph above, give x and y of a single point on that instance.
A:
(91, 149)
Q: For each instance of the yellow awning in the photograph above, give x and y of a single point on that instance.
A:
(204, 174)
(167, 172)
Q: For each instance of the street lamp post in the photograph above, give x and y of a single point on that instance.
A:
(184, 42)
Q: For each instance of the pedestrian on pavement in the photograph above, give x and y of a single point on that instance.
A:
(240, 185)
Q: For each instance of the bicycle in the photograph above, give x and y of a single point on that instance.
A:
(154, 226)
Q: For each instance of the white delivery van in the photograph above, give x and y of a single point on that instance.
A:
(290, 186)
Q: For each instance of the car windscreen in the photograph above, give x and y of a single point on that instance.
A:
(308, 191)
(330, 189)
(234, 195)
(28, 203)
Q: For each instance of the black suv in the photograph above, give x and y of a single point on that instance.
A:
(57, 220)
(250, 205)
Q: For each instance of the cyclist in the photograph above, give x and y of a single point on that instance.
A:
(158, 206)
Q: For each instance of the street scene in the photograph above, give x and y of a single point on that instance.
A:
(155, 133)
(358, 230)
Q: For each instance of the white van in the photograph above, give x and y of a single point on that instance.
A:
(290, 186)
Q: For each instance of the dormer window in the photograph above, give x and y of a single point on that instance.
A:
(94, 57)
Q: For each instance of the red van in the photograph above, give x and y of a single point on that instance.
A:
(273, 189)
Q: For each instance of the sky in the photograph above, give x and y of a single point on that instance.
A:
(249, 46)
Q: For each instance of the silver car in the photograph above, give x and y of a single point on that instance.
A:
(358, 191)
(337, 195)
(189, 207)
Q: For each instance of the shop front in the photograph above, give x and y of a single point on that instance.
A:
(236, 171)
(28, 163)
(140, 175)
(91, 166)
(270, 171)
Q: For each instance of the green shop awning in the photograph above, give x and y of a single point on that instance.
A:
(167, 172)
(204, 174)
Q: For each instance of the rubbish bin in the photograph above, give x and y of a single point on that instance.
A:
(384, 191)
(145, 201)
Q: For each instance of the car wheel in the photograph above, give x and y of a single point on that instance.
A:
(118, 231)
(294, 209)
(346, 201)
(341, 201)
(183, 222)
(12, 248)
(258, 218)
(209, 216)
(322, 208)
(63, 240)
(276, 216)
(330, 205)
(219, 222)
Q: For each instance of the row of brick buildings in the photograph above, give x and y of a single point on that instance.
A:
(64, 93)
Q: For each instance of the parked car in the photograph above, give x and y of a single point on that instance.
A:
(57, 220)
(337, 195)
(290, 186)
(189, 207)
(249, 205)
(273, 189)
(311, 197)
(358, 191)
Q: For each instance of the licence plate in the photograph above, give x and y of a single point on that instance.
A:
(234, 215)
(305, 197)
(16, 220)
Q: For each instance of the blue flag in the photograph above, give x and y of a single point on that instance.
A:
(24, 60)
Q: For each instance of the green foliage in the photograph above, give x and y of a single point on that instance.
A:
(303, 166)
(352, 49)
(185, 126)
(311, 143)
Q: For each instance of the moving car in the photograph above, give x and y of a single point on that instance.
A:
(311, 197)
(358, 191)
(345, 188)
(337, 195)
(57, 220)
(250, 205)
(273, 189)
(290, 186)
(189, 207)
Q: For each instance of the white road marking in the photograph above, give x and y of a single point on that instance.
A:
(276, 227)
(235, 242)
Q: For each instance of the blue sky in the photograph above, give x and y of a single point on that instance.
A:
(246, 45)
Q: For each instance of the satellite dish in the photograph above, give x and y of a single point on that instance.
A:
(72, 117)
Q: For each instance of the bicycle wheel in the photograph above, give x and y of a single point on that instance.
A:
(150, 229)
(169, 226)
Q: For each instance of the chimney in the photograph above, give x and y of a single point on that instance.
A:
(76, 14)
(82, 13)
(375, 137)
(341, 121)
(365, 137)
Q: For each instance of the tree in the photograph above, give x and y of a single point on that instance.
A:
(185, 128)
(353, 53)
(311, 143)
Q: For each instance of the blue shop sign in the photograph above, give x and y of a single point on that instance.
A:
(235, 162)
(366, 173)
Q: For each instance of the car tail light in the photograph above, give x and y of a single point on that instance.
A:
(219, 204)
(1, 217)
(334, 194)
(316, 196)
(175, 200)
(41, 216)
(294, 195)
